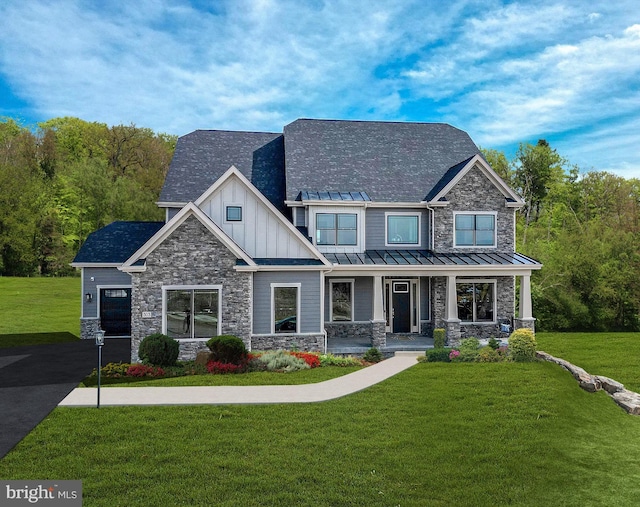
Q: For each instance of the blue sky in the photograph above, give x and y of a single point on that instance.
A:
(506, 72)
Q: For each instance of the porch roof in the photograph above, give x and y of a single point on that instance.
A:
(429, 258)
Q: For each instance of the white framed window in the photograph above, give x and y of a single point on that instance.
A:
(285, 307)
(191, 312)
(233, 213)
(474, 229)
(340, 229)
(341, 300)
(476, 300)
(402, 228)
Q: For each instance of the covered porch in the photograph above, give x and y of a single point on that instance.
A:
(394, 342)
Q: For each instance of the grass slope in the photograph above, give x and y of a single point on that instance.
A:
(39, 305)
(435, 435)
(615, 355)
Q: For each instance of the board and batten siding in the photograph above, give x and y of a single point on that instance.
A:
(261, 232)
(93, 277)
(362, 298)
(376, 228)
(310, 304)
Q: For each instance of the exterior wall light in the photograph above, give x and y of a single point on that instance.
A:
(88, 297)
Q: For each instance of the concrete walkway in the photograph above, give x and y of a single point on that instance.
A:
(227, 395)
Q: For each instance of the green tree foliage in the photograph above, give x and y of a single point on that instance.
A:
(68, 178)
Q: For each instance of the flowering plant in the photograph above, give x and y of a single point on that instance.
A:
(142, 370)
(313, 360)
(222, 368)
(454, 354)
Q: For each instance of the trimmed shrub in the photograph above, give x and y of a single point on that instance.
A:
(522, 345)
(493, 343)
(373, 355)
(227, 349)
(159, 350)
(488, 355)
(440, 355)
(439, 338)
(281, 360)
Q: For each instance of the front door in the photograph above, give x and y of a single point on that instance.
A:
(115, 311)
(401, 300)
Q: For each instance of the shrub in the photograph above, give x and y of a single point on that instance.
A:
(439, 338)
(281, 360)
(159, 350)
(115, 370)
(493, 343)
(331, 360)
(440, 355)
(313, 360)
(468, 350)
(227, 349)
(488, 355)
(143, 370)
(522, 345)
(216, 367)
(373, 355)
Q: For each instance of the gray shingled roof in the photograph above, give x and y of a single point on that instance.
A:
(201, 157)
(116, 242)
(391, 162)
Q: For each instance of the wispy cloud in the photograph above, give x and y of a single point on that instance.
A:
(505, 72)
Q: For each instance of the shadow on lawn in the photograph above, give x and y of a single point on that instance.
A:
(23, 339)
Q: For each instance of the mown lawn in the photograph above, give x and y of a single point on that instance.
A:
(435, 435)
(615, 355)
(30, 306)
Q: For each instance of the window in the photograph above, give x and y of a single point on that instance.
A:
(336, 229)
(234, 214)
(285, 302)
(116, 293)
(341, 300)
(475, 230)
(192, 313)
(476, 301)
(403, 229)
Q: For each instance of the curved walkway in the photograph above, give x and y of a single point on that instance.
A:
(226, 395)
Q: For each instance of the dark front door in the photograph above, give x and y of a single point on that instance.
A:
(115, 311)
(401, 307)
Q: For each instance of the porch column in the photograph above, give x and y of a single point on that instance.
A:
(525, 314)
(378, 323)
(451, 320)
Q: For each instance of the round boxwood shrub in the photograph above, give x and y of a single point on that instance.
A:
(159, 350)
(227, 349)
(522, 345)
(373, 355)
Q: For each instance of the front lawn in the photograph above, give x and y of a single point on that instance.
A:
(438, 434)
(615, 355)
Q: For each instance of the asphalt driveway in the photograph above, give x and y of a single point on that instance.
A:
(34, 379)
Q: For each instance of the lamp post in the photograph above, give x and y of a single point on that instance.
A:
(99, 343)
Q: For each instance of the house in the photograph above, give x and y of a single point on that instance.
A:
(329, 232)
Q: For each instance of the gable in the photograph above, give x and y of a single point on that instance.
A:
(263, 232)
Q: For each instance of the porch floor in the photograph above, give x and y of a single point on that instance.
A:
(395, 342)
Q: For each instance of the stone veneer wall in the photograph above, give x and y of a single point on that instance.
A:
(88, 327)
(374, 332)
(306, 343)
(505, 308)
(474, 193)
(191, 255)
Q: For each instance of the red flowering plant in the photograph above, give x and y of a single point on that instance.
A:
(142, 370)
(313, 360)
(217, 367)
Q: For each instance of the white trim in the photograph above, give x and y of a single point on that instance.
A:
(227, 205)
(411, 271)
(96, 264)
(312, 222)
(493, 281)
(169, 204)
(476, 213)
(166, 288)
(406, 214)
(498, 182)
(411, 205)
(275, 285)
(82, 293)
(253, 269)
(341, 280)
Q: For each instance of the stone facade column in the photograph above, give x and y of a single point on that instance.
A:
(378, 323)
(451, 320)
(525, 314)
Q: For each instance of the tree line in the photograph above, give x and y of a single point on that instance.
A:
(69, 177)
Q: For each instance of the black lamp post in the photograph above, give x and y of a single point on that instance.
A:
(99, 343)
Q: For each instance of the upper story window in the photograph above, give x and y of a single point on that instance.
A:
(234, 214)
(337, 229)
(475, 229)
(402, 229)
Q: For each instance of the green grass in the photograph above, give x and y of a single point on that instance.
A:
(311, 376)
(39, 305)
(615, 355)
(435, 435)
